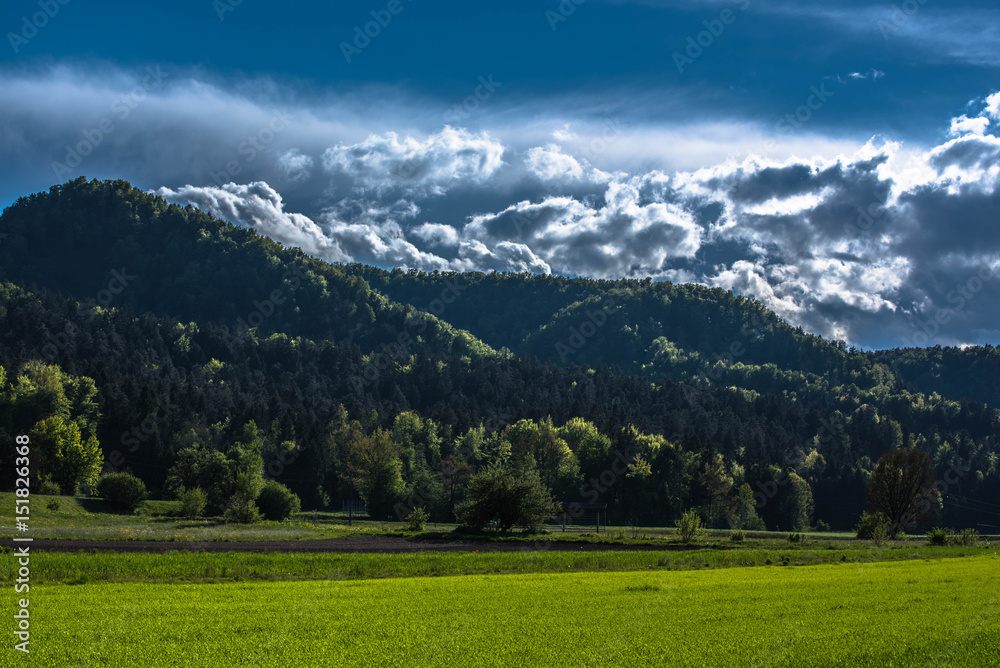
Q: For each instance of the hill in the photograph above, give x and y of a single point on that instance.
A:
(198, 334)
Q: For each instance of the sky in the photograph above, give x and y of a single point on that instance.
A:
(837, 161)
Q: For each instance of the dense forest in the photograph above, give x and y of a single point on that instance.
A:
(146, 337)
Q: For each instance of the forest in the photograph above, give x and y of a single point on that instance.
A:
(144, 337)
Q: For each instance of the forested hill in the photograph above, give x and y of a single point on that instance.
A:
(159, 331)
(112, 245)
(538, 315)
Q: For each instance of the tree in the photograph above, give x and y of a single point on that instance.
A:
(745, 510)
(193, 502)
(902, 487)
(795, 503)
(377, 472)
(501, 497)
(248, 482)
(68, 459)
(122, 490)
(277, 502)
(204, 468)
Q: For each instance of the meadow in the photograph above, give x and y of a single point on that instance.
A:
(182, 567)
(914, 613)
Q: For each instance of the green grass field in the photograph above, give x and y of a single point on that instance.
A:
(205, 567)
(920, 613)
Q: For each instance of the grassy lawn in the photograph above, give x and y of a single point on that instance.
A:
(917, 613)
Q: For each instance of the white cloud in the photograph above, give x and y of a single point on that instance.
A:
(549, 163)
(260, 207)
(431, 166)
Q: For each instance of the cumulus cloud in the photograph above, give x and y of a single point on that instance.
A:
(260, 207)
(431, 166)
(549, 162)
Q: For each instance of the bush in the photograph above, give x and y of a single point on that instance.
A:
(822, 526)
(193, 502)
(417, 519)
(874, 526)
(242, 511)
(967, 537)
(737, 536)
(48, 487)
(122, 490)
(794, 538)
(939, 536)
(277, 502)
(53, 505)
(689, 526)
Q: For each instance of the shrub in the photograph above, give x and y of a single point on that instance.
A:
(277, 502)
(874, 525)
(822, 526)
(53, 505)
(193, 502)
(689, 526)
(939, 536)
(48, 487)
(794, 538)
(967, 537)
(737, 536)
(417, 519)
(242, 511)
(122, 490)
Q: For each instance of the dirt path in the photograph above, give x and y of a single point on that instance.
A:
(350, 544)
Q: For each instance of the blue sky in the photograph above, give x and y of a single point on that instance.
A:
(730, 143)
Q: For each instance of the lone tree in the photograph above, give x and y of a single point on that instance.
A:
(902, 488)
(503, 498)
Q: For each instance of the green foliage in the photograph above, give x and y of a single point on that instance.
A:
(939, 536)
(193, 502)
(873, 526)
(377, 472)
(206, 469)
(53, 505)
(503, 498)
(822, 526)
(794, 538)
(48, 487)
(122, 490)
(242, 510)
(689, 526)
(417, 519)
(62, 454)
(967, 538)
(902, 487)
(277, 502)
(737, 536)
